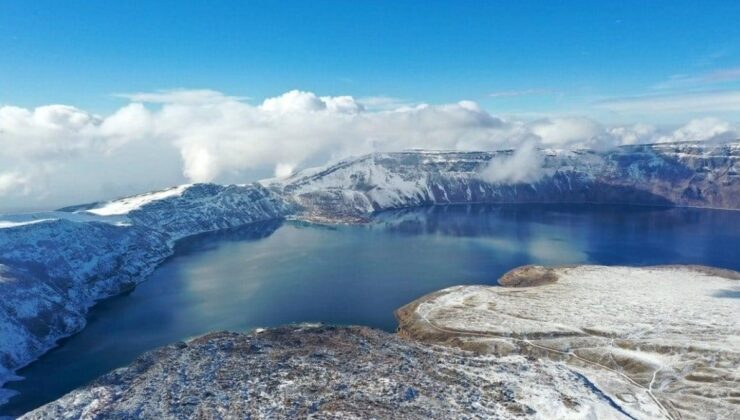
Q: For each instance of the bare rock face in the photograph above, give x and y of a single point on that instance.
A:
(528, 276)
(327, 372)
(661, 342)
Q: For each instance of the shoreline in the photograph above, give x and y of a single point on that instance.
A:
(605, 389)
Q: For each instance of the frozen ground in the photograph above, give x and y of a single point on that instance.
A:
(659, 341)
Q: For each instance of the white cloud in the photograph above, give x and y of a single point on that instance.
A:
(57, 154)
(574, 131)
(514, 93)
(701, 102)
(294, 101)
(714, 77)
(522, 166)
(49, 130)
(634, 134)
(283, 170)
(12, 181)
(297, 101)
(383, 102)
(703, 129)
(182, 96)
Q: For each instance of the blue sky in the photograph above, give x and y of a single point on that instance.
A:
(512, 57)
(102, 99)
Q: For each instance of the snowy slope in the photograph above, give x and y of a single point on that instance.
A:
(54, 266)
(686, 174)
(662, 342)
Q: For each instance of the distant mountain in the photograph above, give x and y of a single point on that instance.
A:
(55, 265)
(676, 174)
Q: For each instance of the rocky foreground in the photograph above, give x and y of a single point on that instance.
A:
(573, 342)
(326, 372)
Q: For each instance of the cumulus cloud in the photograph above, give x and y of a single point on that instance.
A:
(297, 101)
(59, 154)
(523, 165)
(702, 129)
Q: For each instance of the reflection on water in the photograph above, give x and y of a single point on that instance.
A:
(602, 234)
(276, 273)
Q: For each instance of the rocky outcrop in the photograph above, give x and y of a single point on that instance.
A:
(661, 342)
(326, 372)
(528, 276)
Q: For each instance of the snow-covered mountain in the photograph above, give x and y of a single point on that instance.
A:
(682, 174)
(55, 265)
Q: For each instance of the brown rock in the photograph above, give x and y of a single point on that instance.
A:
(528, 276)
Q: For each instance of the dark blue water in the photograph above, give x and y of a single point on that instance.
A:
(276, 273)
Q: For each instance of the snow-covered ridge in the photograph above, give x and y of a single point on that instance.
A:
(9, 223)
(54, 266)
(682, 174)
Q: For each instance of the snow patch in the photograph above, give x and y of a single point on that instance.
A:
(126, 205)
(4, 224)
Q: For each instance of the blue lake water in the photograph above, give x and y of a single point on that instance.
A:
(283, 272)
